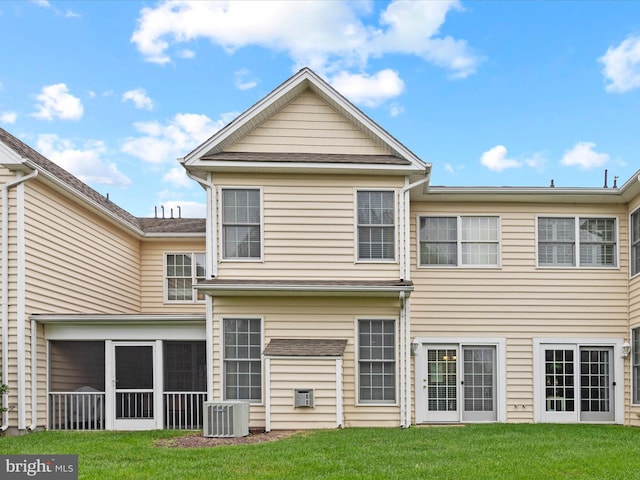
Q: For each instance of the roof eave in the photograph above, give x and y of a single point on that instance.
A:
(304, 290)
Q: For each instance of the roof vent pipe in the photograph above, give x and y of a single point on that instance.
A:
(162, 208)
(615, 181)
(180, 210)
(605, 178)
(155, 212)
(552, 185)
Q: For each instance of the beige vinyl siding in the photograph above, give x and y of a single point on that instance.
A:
(288, 374)
(309, 228)
(153, 275)
(77, 262)
(519, 301)
(311, 317)
(307, 125)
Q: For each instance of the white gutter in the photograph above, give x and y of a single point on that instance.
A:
(4, 328)
(211, 237)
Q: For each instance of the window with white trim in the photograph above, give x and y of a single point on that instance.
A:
(635, 365)
(182, 272)
(242, 360)
(241, 223)
(376, 361)
(459, 241)
(635, 242)
(577, 241)
(376, 225)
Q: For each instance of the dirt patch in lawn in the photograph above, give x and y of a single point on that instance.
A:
(197, 440)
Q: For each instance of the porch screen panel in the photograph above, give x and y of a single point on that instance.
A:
(559, 380)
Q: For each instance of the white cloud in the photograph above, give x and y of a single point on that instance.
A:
(496, 159)
(163, 143)
(537, 161)
(326, 36)
(584, 156)
(139, 98)
(71, 14)
(369, 90)
(621, 66)
(55, 101)
(8, 117)
(178, 178)
(244, 80)
(41, 3)
(86, 162)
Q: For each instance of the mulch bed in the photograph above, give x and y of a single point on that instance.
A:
(197, 440)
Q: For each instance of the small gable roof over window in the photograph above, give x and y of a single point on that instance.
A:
(304, 124)
(305, 347)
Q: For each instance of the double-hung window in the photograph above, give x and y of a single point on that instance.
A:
(241, 224)
(577, 242)
(376, 361)
(376, 225)
(459, 241)
(635, 364)
(242, 361)
(635, 242)
(182, 272)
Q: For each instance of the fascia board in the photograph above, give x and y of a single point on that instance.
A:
(301, 167)
(302, 290)
(115, 318)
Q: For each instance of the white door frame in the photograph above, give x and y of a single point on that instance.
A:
(110, 393)
(539, 404)
(420, 371)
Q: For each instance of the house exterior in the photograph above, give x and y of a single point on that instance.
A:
(329, 286)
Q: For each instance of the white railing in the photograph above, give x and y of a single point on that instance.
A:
(134, 404)
(76, 411)
(183, 410)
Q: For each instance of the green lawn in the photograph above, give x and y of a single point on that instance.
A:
(474, 451)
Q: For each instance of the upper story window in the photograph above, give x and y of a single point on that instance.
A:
(182, 272)
(241, 224)
(635, 242)
(577, 242)
(376, 225)
(459, 241)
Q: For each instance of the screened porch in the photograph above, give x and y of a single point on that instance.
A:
(98, 385)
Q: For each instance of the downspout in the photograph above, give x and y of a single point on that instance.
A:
(4, 324)
(211, 247)
(405, 312)
(34, 376)
(403, 363)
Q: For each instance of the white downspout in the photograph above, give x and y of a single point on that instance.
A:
(211, 238)
(34, 376)
(4, 324)
(403, 364)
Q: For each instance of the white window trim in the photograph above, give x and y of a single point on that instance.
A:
(396, 360)
(165, 287)
(538, 371)
(577, 243)
(501, 369)
(630, 228)
(221, 225)
(459, 242)
(221, 382)
(356, 239)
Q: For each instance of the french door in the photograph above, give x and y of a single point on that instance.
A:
(459, 383)
(578, 383)
(135, 384)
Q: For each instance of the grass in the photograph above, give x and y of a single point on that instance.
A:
(509, 451)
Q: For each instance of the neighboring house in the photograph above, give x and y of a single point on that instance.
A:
(328, 271)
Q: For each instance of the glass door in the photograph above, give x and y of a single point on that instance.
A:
(134, 386)
(596, 384)
(442, 383)
(479, 384)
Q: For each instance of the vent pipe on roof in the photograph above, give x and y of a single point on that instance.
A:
(605, 178)
(552, 184)
(615, 181)
(180, 210)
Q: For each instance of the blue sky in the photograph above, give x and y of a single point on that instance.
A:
(491, 93)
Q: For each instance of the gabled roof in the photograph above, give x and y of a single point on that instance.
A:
(400, 157)
(17, 155)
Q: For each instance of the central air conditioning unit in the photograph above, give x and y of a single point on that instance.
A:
(226, 419)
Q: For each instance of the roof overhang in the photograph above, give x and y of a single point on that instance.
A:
(565, 195)
(305, 288)
(129, 319)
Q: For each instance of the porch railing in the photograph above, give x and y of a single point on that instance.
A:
(184, 410)
(76, 410)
